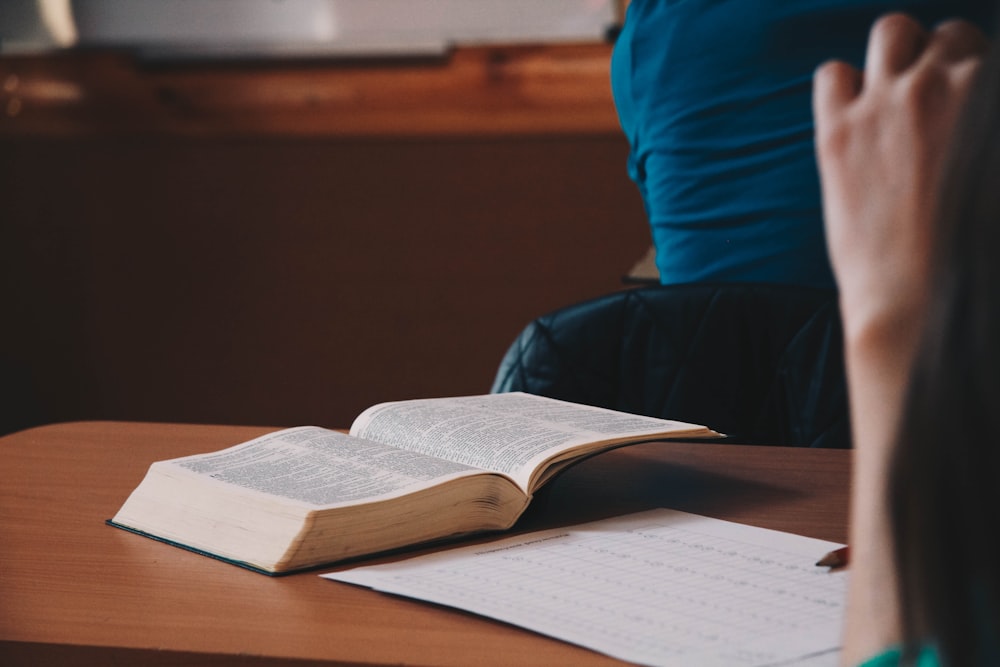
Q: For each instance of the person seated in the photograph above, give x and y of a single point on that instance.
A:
(908, 170)
(744, 334)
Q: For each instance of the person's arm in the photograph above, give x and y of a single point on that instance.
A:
(881, 137)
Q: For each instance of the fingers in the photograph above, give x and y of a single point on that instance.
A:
(835, 85)
(895, 43)
(955, 41)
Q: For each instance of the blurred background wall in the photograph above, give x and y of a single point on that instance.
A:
(284, 232)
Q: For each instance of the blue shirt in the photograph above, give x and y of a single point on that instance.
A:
(714, 97)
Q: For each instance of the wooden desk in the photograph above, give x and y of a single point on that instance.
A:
(76, 592)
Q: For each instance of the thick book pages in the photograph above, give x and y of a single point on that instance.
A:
(527, 437)
(660, 588)
(409, 472)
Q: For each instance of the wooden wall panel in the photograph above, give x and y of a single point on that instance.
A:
(287, 280)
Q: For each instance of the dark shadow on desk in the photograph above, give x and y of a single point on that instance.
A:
(33, 653)
(652, 475)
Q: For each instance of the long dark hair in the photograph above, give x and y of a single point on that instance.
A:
(944, 486)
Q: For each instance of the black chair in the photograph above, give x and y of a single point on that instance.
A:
(760, 363)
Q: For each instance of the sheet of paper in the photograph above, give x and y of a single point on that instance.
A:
(658, 588)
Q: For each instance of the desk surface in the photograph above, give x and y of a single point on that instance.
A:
(76, 592)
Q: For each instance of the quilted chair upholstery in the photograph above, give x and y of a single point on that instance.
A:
(761, 363)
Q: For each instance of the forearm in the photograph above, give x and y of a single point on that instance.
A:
(877, 368)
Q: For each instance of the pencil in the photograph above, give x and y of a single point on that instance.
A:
(835, 559)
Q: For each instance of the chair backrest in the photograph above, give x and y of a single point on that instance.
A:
(761, 363)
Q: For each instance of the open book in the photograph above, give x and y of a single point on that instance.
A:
(409, 472)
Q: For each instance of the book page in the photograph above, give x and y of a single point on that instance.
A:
(658, 588)
(322, 467)
(506, 433)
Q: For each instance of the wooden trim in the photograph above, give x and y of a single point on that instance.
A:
(478, 91)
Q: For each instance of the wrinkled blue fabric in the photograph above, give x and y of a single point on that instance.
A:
(714, 97)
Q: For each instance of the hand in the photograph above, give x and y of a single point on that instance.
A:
(881, 140)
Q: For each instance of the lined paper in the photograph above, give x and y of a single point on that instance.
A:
(658, 588)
